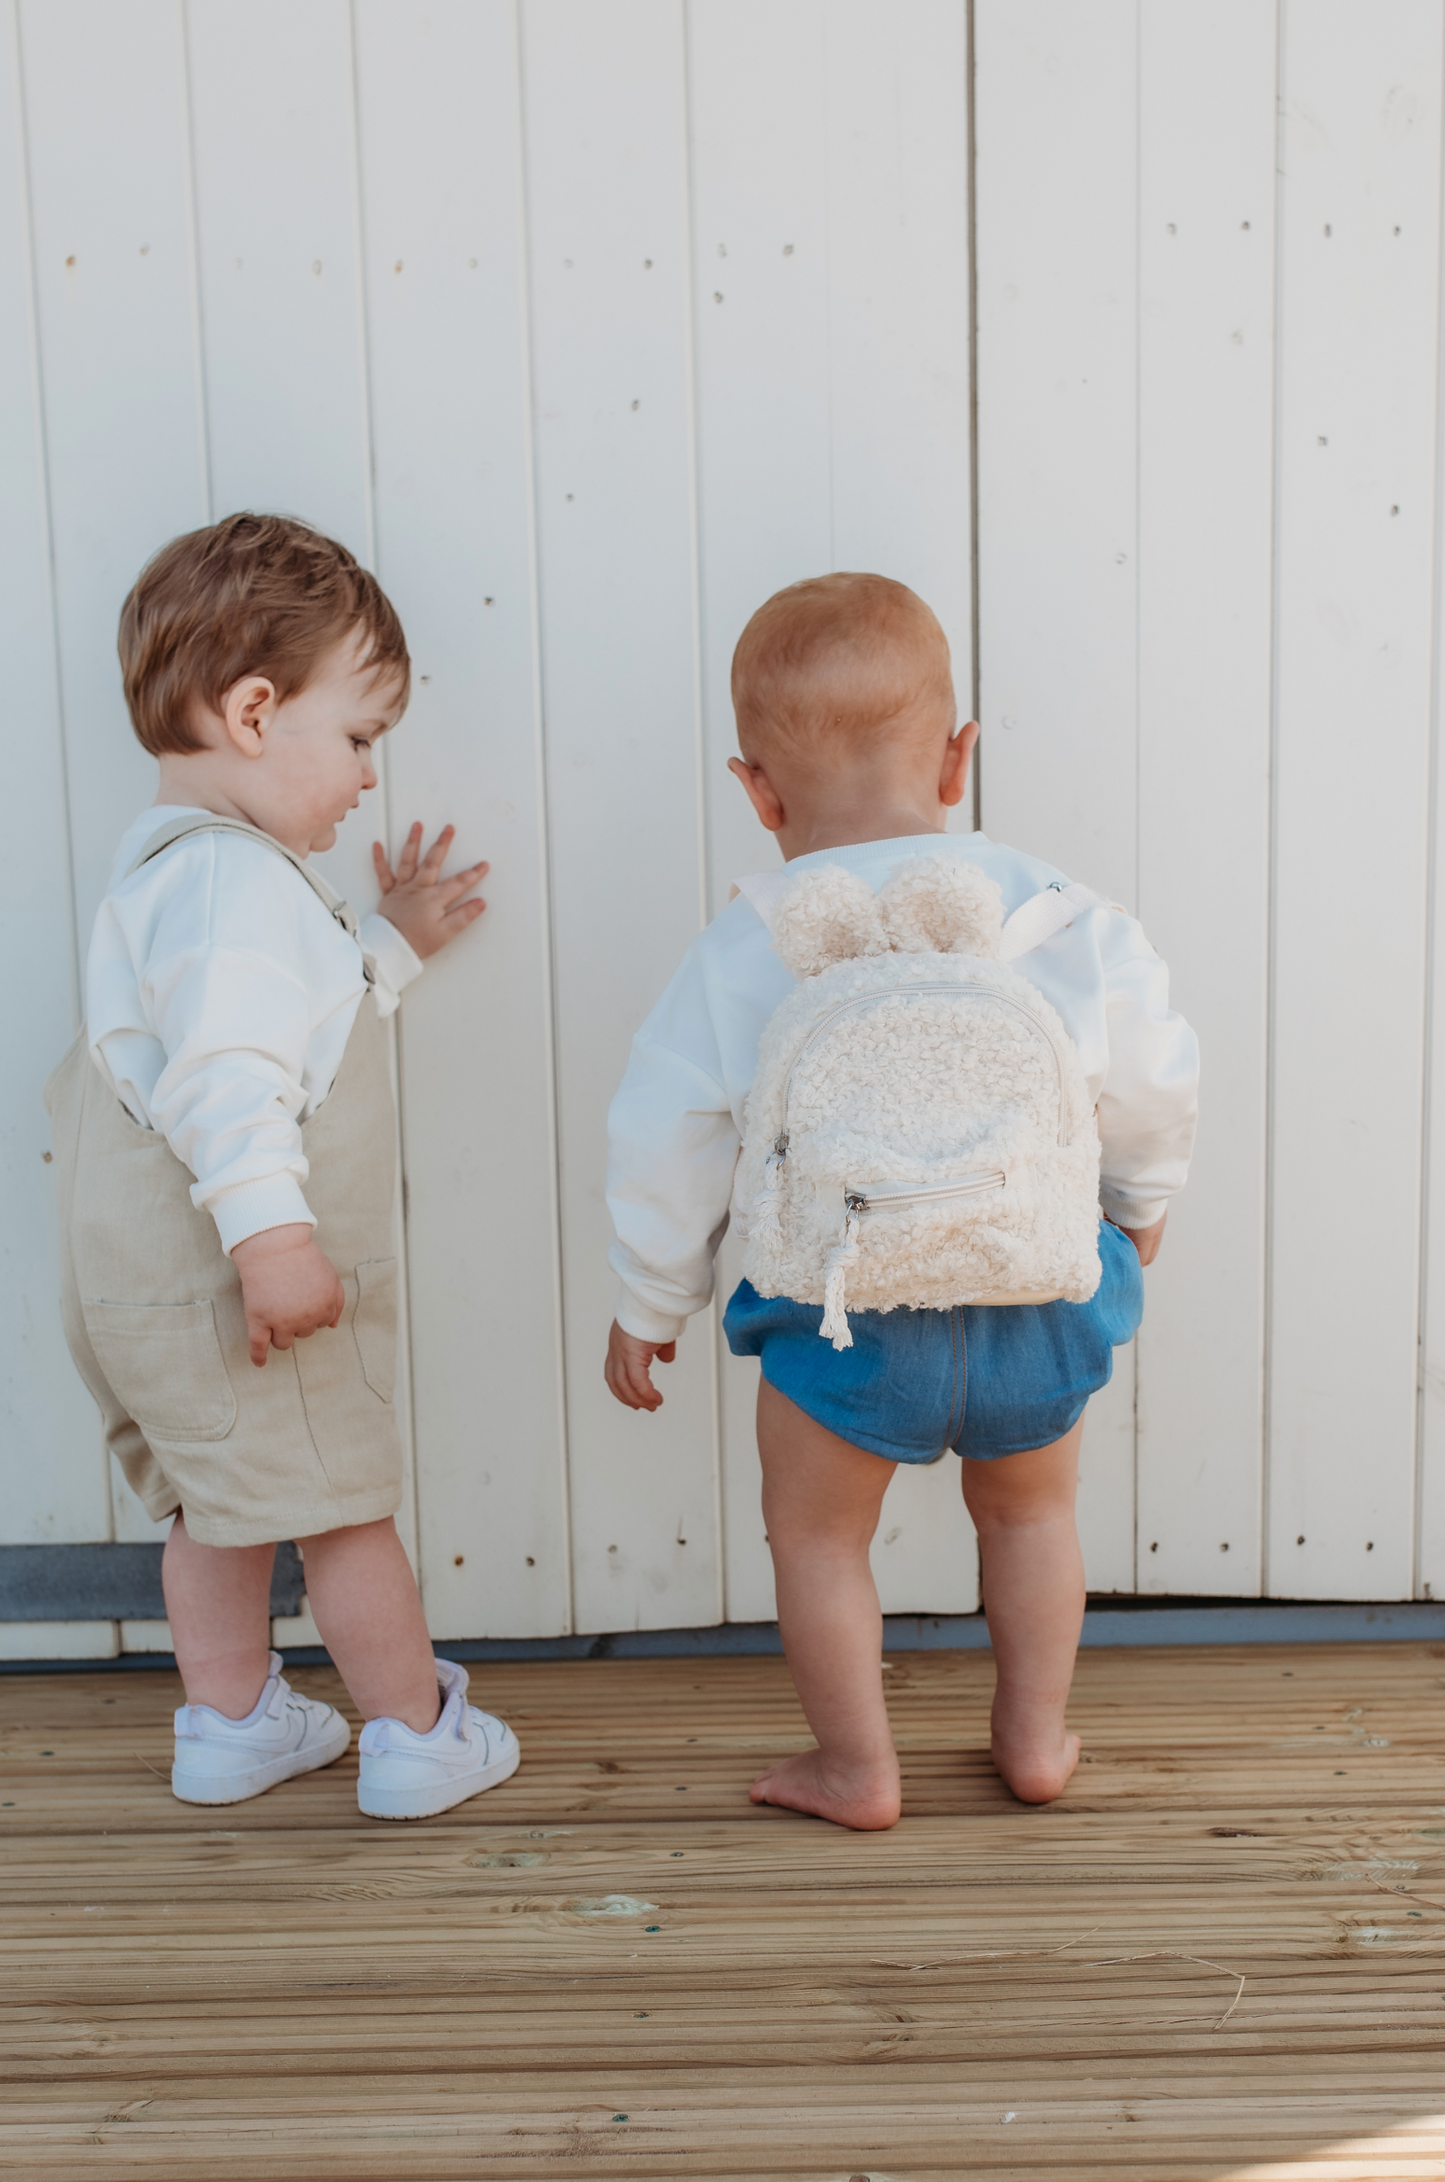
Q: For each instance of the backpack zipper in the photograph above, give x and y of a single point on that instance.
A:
(780, 1142)
(844, 1255)
(972, 1186)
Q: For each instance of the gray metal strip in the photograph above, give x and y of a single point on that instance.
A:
(109, 1582)
(1164, 1622)
(1169, 1622)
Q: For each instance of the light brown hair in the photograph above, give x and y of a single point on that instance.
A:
(255, 594)
(843, 656)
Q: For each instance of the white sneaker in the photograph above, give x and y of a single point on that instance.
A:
(406, 1775)
(225, 1761)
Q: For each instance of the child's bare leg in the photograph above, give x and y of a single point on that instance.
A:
(1033, 1594)
(364, 1598)
(821, 1498)
(218, 1601)
(361, 1591)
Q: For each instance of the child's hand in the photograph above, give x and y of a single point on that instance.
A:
(1146, 1240)
(289, 1287)
(627, 1371)
(426, 909)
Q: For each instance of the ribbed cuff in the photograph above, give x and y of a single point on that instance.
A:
(393, 958)
(635, 1318)
(248, 1208)
(1125, 1213)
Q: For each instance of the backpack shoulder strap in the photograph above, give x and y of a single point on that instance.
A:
(764, 891)
(181, 829)
(1044, 914)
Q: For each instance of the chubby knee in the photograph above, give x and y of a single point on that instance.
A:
(1008, 1492)
(1016, 1512)
(830, 1532)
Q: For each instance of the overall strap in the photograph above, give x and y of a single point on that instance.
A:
(181, 829)
(1039, 918)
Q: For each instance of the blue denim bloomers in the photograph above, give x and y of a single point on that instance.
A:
(984, 1379)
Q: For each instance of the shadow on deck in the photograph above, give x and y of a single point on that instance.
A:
(1219, 1956)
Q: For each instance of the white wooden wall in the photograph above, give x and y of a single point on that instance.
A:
(589, 323)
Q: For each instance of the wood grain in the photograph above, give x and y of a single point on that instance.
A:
(614, 1966)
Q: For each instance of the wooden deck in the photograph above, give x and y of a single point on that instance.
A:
(1219, 1956)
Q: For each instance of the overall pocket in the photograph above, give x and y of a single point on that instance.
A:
(164, 1362)
(373, 1324)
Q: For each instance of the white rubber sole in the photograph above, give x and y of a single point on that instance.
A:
(405, 1803)
(202, 1787)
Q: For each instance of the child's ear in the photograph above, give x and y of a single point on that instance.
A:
(247, 710)
(956, 757)
(760, 792)
(830, 915)
(937, 905)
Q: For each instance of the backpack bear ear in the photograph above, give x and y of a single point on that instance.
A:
(935, 905)
(830, 915)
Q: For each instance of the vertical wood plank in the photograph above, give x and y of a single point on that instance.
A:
(1429, 1573)
(285, 373)
(278, 243)
(1207, 108)
(279, 250)
(123, 418)
(606, 173)
(898, 404)
(1360, 245)
(898, 304)
(758, 124)
(105, 98)
(1056, 105)
(52, 1477)
(925, 1554)
(1106, 1479)
(831, 311)
(445, 281)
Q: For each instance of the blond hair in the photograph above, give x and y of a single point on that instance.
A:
(843, 657)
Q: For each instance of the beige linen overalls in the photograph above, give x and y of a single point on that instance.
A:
(153, 1312)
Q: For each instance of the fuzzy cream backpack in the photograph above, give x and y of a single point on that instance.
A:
(918, 1132)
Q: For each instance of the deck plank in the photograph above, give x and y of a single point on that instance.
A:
(284, 1988)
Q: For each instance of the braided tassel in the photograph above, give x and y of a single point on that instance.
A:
(835, 1319)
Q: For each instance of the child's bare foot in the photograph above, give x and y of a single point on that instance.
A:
(1033, 1750)
(866, 1800)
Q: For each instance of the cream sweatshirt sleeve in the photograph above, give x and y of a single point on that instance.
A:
(1149, 1099)
(672, 1148)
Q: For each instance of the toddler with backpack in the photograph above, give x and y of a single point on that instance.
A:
(941, 1093)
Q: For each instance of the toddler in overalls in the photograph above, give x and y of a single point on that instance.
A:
(962, 1104)
(225, 1145)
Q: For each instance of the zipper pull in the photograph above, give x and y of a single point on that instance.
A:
(765, 1223)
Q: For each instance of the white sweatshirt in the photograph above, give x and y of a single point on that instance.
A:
(675, 1127)
(220, 993)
